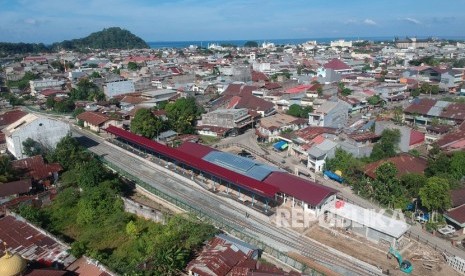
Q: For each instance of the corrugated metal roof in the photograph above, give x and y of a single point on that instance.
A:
(238, 179)
(239, 164)
(437, 109)
(307, 191)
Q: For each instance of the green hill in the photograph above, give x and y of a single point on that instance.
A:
(110, 38)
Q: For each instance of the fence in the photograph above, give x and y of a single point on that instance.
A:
(218, 222)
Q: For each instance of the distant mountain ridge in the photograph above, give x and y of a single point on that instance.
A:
(108, 38)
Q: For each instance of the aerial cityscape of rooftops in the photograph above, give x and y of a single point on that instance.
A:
(189, 150)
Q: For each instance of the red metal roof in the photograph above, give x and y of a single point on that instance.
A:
(194, 149)
(336, 65)
(307, 191)
(198, 163)
(416, 137)
(457, 214)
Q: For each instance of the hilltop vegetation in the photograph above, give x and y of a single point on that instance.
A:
(7, 48)
(110, 38)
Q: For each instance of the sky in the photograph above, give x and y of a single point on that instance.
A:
(50, 21)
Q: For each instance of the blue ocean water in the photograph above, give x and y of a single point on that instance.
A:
(239, 43)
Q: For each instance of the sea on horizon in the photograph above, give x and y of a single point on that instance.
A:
(293, 41)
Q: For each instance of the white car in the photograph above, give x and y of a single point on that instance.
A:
(447, 230)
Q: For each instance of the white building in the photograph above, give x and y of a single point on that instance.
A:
(330, 114)
(120, 87)
(46, 131)
(341, 43)
(39, 85)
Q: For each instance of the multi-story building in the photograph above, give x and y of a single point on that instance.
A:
(332, 114)
(227, 118)
(39, 85)
(120, 87)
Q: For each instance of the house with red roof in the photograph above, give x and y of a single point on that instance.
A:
(96, 121)
(338, 66)
(404, 163)
(423, 111)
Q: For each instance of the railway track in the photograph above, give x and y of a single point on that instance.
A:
(306, 247)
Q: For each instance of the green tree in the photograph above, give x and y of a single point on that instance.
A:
(182, 114)
(95, 75)
(32, 214)
(90, 173)
(251, 44)
(50, 102)
(294, 110)
(388, 190)
(68, 153)
(438, 165)
(6, 170)
(387, 145)
(78, 111)
(32, 147)
(85, 90)
(133, 66)
(78, 248)
(413, 182)
(146, 124)
(457, 165)
(344, 162)
(374, 100)
(435, 194)
(132, 230)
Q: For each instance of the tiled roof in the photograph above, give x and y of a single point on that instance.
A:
(311, 132)
(10, 117)
(259, 76)
(457, 214)
(457, 197)
(36, 168)
(455, 111)
(93, 118)
(416, 137)
(405, 163)
(420, 106)
(15, 187)
(254, 103)
(132, 99)
(360, 137)
(336, 65)
(32, 244)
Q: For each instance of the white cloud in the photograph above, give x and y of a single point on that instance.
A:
(412, 20)
(369, 22)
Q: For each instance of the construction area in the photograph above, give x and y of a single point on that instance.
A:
(424, 259)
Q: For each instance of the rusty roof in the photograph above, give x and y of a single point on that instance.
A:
(420, 106)
(35, 167)
(32, 243)
(10, 117)
(93, 118)
(405, 163)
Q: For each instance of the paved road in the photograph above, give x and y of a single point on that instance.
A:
(279, 238)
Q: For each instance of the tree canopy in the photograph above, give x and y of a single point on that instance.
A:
(299, 111)
(388, 190)
(146, 124)
(387, 145)
(435, 194)
(251, 44)
(182, 114)
(88, 212)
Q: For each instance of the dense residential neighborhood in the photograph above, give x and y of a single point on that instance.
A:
(336, 130)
